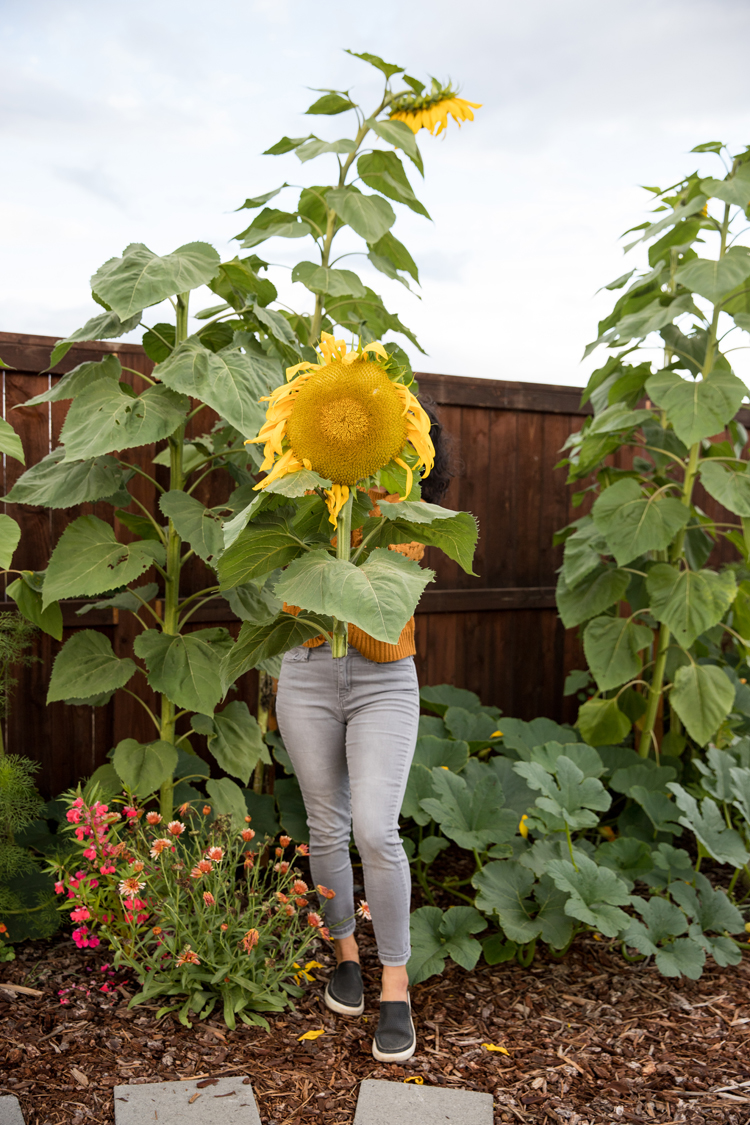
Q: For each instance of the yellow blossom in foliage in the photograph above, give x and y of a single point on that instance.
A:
(522, 827)
(344, 419)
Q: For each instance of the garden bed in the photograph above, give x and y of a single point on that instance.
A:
(588, 1039)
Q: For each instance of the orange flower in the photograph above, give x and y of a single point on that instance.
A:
(188, 957)
(208, 898)
(156, 931)
(301, 902)
(285, 841)
(3, 928)
(175, 827)
(248, 819)
(247, 835)
(314, 920)
(299, 887)
(205, 866)
(183, 809)
(153, 818)
(302, 849)
(216, 854)
(324, 891)
(281, 897)
(250, 940)
(206, 810)
(158, 846)
(249, 861)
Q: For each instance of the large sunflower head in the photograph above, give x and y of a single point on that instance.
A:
(344, 419)
(431, 111)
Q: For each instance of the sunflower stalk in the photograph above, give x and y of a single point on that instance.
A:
(339, 639)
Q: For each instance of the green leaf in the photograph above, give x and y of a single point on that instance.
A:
(477, 728)
(10, 442)
(645, 773)
(399, 135)
(250, 603)
(396, 253)
(185, 668)
(697, 408)
(78, 379)
(734, 189)
(568, 796)
(633, 523)
(602, 723)
(384, 172)
(613, 646)
(596, 592)
(706, 822)
(259, 200)
(271, 223)
(126, 599)
(582, 552)
(689, 601)
(292, 811)
(713, 279)
(436, 936)
(88, 560)
(286, 144)
(227, 799)
(516, 793)
(56, 483)
(29, 602)
(368, 215)
(257, 643)
(433, 753)
(106, 326)
(230, 382)
(596, 894)
(263, 546)
(627, 857)
(388, 69)
(585, 757)
(107, 416)
(379, 597)
(331, 104)
(702, 696)
(141, 278)
(727, 485)
(296, 484)
(456, 536)
(741, 794)
(86, 666)
(473, 817)
(194, 522)
(505, 887)
(333, 283)
(659, 809)
(418, 789)
(315, 147)
(234, 739)
(144, 767)
(440, 697)
(10, 537)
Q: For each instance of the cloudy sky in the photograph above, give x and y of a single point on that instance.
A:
(145, 122)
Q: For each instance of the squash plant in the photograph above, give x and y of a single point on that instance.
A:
(233, 358)
(659, 624)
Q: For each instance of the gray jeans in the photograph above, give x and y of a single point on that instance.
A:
(350, 727)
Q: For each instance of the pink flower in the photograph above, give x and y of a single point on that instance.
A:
(73, 815)
(208, 898)
(130, 812)
(59, 888)
(299, 887)
(80, 914)
(302, 849)
(107, 869)
(130, 887)
(247, 834)
(282, 868)
(363, 911)
(90, 853)
(196, 873)
(159, 845)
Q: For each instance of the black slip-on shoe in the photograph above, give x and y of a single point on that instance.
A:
(344, 992)
(395, 1040)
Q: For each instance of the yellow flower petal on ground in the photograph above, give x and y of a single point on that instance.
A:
(311, 1034)
(494, 1047)
(417, 1079)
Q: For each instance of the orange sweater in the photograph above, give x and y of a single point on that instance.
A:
(377, 651)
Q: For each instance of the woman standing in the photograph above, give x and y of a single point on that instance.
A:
(350, 728)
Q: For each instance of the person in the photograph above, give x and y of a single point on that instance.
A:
(350, 728)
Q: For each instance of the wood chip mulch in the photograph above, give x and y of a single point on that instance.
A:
(590, 1039)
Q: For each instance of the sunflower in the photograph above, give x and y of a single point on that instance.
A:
(432, 111)
(344, 419)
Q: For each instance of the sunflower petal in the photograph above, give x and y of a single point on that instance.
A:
(336, 497)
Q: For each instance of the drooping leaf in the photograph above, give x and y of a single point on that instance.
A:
(330, 282)
(106, 416)
(379, 597)
(697, 408)
(271, 223)
(582, 552)
(435, 752)
(477, 728)
(708, 825)
(393, 251)
(384, 172)
(28, 598)
(455, 535)
(439, 697)
(702, 696)
(251, 603)
(195, 523)
(260, 548)
(86, 666)
(369, 216)
(388, 69)
(88, 560)
(597, 591)
(689, 601)
(185, 668)
(567, 795)
(734, 189)
(10, 537)
(292, 810)
(436, 935)
(712, 279)
(106, 326)
(613, 646)
(234, 739)
(79, 378)
(330, 104)
(10, 442)
(227, 799)
(257, 643)
(660, 810)
(602, 723)
(506, 888)
(230, 382)
(633, 523)
(56, 483)
(144, 767)
(141, 278)
(727, 485)
(418, 789)
(398, 134)
(627, 857)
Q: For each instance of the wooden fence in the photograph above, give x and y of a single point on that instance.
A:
(497, 634)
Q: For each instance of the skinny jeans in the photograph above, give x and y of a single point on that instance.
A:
(350, 727)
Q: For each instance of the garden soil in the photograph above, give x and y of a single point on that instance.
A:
(590, 1039)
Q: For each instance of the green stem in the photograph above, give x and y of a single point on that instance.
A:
(570, 846)
(339, 640)
(265, 697)
(170, 624)
(657, 681)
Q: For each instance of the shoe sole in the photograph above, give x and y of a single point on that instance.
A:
(395, 1056)
(342, 1009)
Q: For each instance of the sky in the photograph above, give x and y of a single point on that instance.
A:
(146, 122)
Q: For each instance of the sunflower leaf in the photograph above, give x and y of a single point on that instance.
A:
(388, 69)
(106, 416)
(185, 668)
(257, 643)
(399, 135)
(88, 560)
(85, 666)
(141, 278)
(368, 215)
(106, 326)
(384, 172)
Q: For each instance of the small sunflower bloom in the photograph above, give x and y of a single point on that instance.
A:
(431, 112)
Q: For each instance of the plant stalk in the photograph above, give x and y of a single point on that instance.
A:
(339, 639)
(657, 681)
(265, 699)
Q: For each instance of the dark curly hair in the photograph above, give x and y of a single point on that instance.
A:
(435, 486)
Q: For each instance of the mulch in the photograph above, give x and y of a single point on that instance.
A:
(589, 1039)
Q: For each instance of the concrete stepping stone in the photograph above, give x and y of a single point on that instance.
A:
(10, 1110)
(399, 1102)
(225, 1102)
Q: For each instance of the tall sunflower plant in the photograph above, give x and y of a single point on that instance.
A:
(665, 624)
(129, 438)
